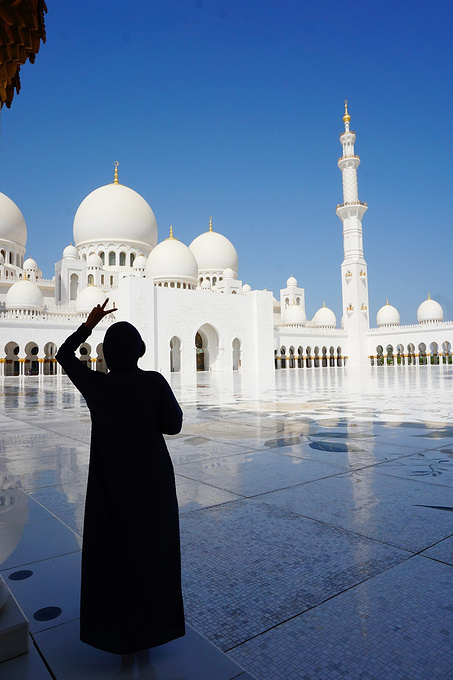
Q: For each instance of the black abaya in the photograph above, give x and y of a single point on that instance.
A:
(131, 568)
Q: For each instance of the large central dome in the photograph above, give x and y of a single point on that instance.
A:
(12, 223)
(115, 213)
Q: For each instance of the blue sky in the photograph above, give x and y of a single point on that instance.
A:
(233, 109)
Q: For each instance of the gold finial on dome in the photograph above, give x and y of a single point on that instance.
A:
(346, 117)
(387, 301)
(210, 222)
(171, 232)
(115, 177)
(324, 304)
(429, 296)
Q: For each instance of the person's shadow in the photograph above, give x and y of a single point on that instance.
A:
(145, 669)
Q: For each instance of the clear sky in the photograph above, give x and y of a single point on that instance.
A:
(233, 108)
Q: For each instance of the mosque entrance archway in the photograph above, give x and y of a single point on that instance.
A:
(31, 358)
(12, 366)
(206, 347)
(50, 363)
(175, 354)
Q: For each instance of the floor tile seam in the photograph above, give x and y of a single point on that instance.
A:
(318, 604)
(435, 559)
(212, 486)
(420, 552)
(336, 526)
(183, 515)
(30, 490)
(203, 460)
(44, 559)
(43, 659)
(408, 479)
(54, 626)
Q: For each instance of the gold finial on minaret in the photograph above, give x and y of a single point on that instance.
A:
(115, 178)
(346, 117)
(210, 222)
(171, 232)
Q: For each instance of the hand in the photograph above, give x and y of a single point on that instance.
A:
(97, 314)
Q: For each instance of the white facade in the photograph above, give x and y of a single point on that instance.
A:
(187, 301)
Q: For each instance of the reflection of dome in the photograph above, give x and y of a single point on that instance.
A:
(115, 213)
(228, 273)
(140, 262)
(214, 252)
(88, 298)
(12, 223)
(291, 282)
(24, 295)
(31, 264)
(429, 310)
(94, 260)
(294, 315)
(388, 316)
(325, 318)
(172, 260)
(71, 251)
(246, 288)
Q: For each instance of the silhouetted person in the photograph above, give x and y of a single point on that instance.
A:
(131, 569)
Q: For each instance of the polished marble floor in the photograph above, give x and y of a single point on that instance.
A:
(316, 525)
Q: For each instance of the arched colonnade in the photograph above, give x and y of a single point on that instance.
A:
(308, 357)
(33, 359)
(412, 355)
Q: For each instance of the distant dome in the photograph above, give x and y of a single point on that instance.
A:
(71, 251)
(31, 264)
(205, 285)
(388, 316)
(88, 298)
(115, 213)
(12, 223)
(291, 282)
(246, 288)
(24, 295)
(140, 262)
(294, 315)
(171, 259)
(325, 318)
(429, 310)
(94, 260)
(214, 252)
(228, 273)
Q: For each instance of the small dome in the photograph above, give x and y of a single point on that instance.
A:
(205, 285)
(388, 316)
(325, 318)
(246, 288)
(140, 262)
(291, 282)
(12, 223)
(94, 260)
(228, 273)
(31, 264)
(25, 295)
(214, 252)
(71, 251)
(294, 315)
(115, 213)
(172, 259)
(88, 298)
(429, 310)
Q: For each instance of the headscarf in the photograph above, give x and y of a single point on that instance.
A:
(123, 346)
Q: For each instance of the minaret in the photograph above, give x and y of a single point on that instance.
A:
(354, 277)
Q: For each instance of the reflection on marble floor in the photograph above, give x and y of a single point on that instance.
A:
(316, 523)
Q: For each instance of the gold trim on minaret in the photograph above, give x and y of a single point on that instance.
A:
(115, 177)
(346, 117)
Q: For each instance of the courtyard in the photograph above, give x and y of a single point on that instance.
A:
(316, 525)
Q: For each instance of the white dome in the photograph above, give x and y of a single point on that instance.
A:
(94, 260)
(25, 295)
(294, 315)
(172, 259)
(214, 252)
(115, 213)
(291, 282)
(12, 223)
(246, 288)
(71, 251)
(388, 316)
(325, 318)
(228, 273)
(31, 264)
(88, 298)
(140, 262)
(429, 310)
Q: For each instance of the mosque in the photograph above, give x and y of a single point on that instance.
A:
(187, 301)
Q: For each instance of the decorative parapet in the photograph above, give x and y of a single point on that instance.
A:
(343, 205)
(416, 326)
(59, 316)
